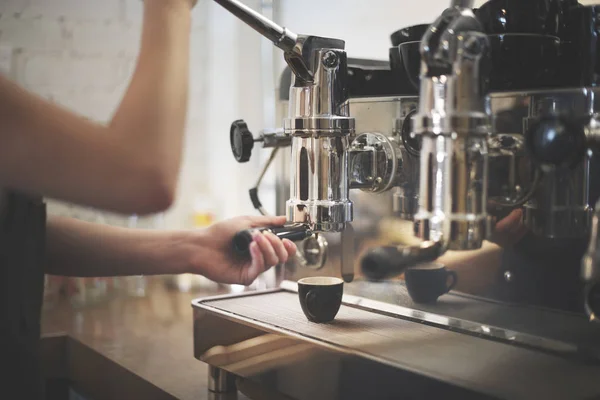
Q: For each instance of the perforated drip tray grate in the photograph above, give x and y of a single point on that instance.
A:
(394, 340)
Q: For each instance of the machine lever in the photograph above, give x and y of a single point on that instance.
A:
(241, 141)
(280, 36)
(293, 232)
(389, 261)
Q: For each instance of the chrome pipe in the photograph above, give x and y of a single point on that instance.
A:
(280, 36)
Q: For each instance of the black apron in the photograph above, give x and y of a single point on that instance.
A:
(543, 273)
(22, 245)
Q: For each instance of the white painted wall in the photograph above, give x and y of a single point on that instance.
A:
(366, 26)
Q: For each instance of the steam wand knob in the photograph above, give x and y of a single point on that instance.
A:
(556, 141)
(242, 141)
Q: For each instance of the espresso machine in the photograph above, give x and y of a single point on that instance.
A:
(474, 150)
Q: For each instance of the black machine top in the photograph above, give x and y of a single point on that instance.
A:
(535, 44)
(366, 78)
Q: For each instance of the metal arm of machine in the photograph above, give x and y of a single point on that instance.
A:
(453, 122)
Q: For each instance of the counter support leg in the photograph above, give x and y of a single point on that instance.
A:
(220, 381)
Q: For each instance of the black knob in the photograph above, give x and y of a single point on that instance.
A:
(556, 141)
(241, 141)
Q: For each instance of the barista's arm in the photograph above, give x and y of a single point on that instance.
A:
(129, 165)
(78, 248)
(478, 269)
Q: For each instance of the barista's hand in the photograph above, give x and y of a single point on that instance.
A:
(215, 259)
(509, 230)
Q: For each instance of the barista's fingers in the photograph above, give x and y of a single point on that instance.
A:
(517, 227)
(267, 250)
(278, 246)
(256, 267)
(510, 221)
(290, 247)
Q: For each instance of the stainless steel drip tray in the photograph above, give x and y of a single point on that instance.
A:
(372, 353)
(521, 323)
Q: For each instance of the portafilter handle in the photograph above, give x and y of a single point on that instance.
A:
(294, 232)
(389, 261)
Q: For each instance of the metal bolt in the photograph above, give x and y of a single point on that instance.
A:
(508, 276)
(330, 59)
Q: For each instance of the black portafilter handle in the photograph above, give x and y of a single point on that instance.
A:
(389, 261)
(293, 232)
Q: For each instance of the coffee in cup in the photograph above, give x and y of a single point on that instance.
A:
(320, 297)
